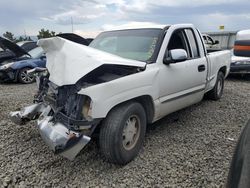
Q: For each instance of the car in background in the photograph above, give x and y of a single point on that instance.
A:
(27, 45)
(240, 63)
(75, 38)
(12, 51)
(17, 70)
(210, 43)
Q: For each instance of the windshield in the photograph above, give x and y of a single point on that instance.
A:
(136, 44)
(36, 52)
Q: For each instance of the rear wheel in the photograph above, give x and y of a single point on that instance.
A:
(122, 133)
(24, 77)
(217, 91)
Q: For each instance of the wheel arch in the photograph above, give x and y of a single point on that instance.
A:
(17, 71)
(223, 70)
(147, 103)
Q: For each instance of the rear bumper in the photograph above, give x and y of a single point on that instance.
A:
(241, 69)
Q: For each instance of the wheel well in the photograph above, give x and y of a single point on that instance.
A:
(18, 71)
(223, 70)
(147, 103)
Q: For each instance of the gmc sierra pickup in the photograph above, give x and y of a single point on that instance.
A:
(124, 80)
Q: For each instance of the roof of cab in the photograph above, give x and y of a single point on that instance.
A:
(137, 26)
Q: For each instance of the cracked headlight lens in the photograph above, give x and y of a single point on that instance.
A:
(87, 108)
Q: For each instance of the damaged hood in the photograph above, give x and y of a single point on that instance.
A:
(67, 61)
(17, 50)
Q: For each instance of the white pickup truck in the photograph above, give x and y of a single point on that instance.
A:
(123, 81)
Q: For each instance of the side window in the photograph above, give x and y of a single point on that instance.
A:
(178, 41)
(193, 43)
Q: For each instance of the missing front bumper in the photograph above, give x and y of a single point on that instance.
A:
(61, 140)
(57, 135)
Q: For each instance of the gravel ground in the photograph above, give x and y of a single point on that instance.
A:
(190, 148)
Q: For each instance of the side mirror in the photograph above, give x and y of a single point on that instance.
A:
(175, 56)
(216, 42)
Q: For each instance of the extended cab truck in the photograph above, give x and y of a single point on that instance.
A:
(123, 81)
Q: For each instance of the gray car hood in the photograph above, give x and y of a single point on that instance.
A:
(17, 50)
(67, 62)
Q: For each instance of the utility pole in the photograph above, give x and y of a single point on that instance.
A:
(72, 24)
(25, 34)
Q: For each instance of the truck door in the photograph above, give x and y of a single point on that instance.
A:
(182, 83)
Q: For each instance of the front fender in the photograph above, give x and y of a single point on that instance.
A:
(107, 95)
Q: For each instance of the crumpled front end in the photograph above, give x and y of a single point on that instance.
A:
(59, 112)
(64, 116)
(60, 139)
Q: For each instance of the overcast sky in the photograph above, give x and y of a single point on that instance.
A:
(92, 16)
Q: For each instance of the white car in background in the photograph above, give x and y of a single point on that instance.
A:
(240, 63)
(210, 43)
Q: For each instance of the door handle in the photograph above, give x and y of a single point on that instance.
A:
(201, 68)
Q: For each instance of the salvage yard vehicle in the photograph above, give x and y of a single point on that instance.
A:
(124, 80)
(27, 45)
(241, 59)
(11, 51)
(17, 70)
(210, 43)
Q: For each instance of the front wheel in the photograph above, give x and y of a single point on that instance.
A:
(24, 77)
(217, 91)
(122, 133)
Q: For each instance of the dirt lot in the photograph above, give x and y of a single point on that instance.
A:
(190, 148)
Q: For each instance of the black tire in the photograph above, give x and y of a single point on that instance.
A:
(114, 135)
(239, 172)
(25, 78)
(217, 91)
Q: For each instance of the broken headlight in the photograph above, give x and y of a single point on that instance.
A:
(87, 108)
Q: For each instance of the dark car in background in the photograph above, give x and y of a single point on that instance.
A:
(16, 69)
(27, 45)
(11, 51)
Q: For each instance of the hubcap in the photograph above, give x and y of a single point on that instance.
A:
(219, 87)
(131, 132)
(26, 77)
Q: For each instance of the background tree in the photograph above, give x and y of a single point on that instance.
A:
(9, 35)
(21, 38)
(46, 34)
